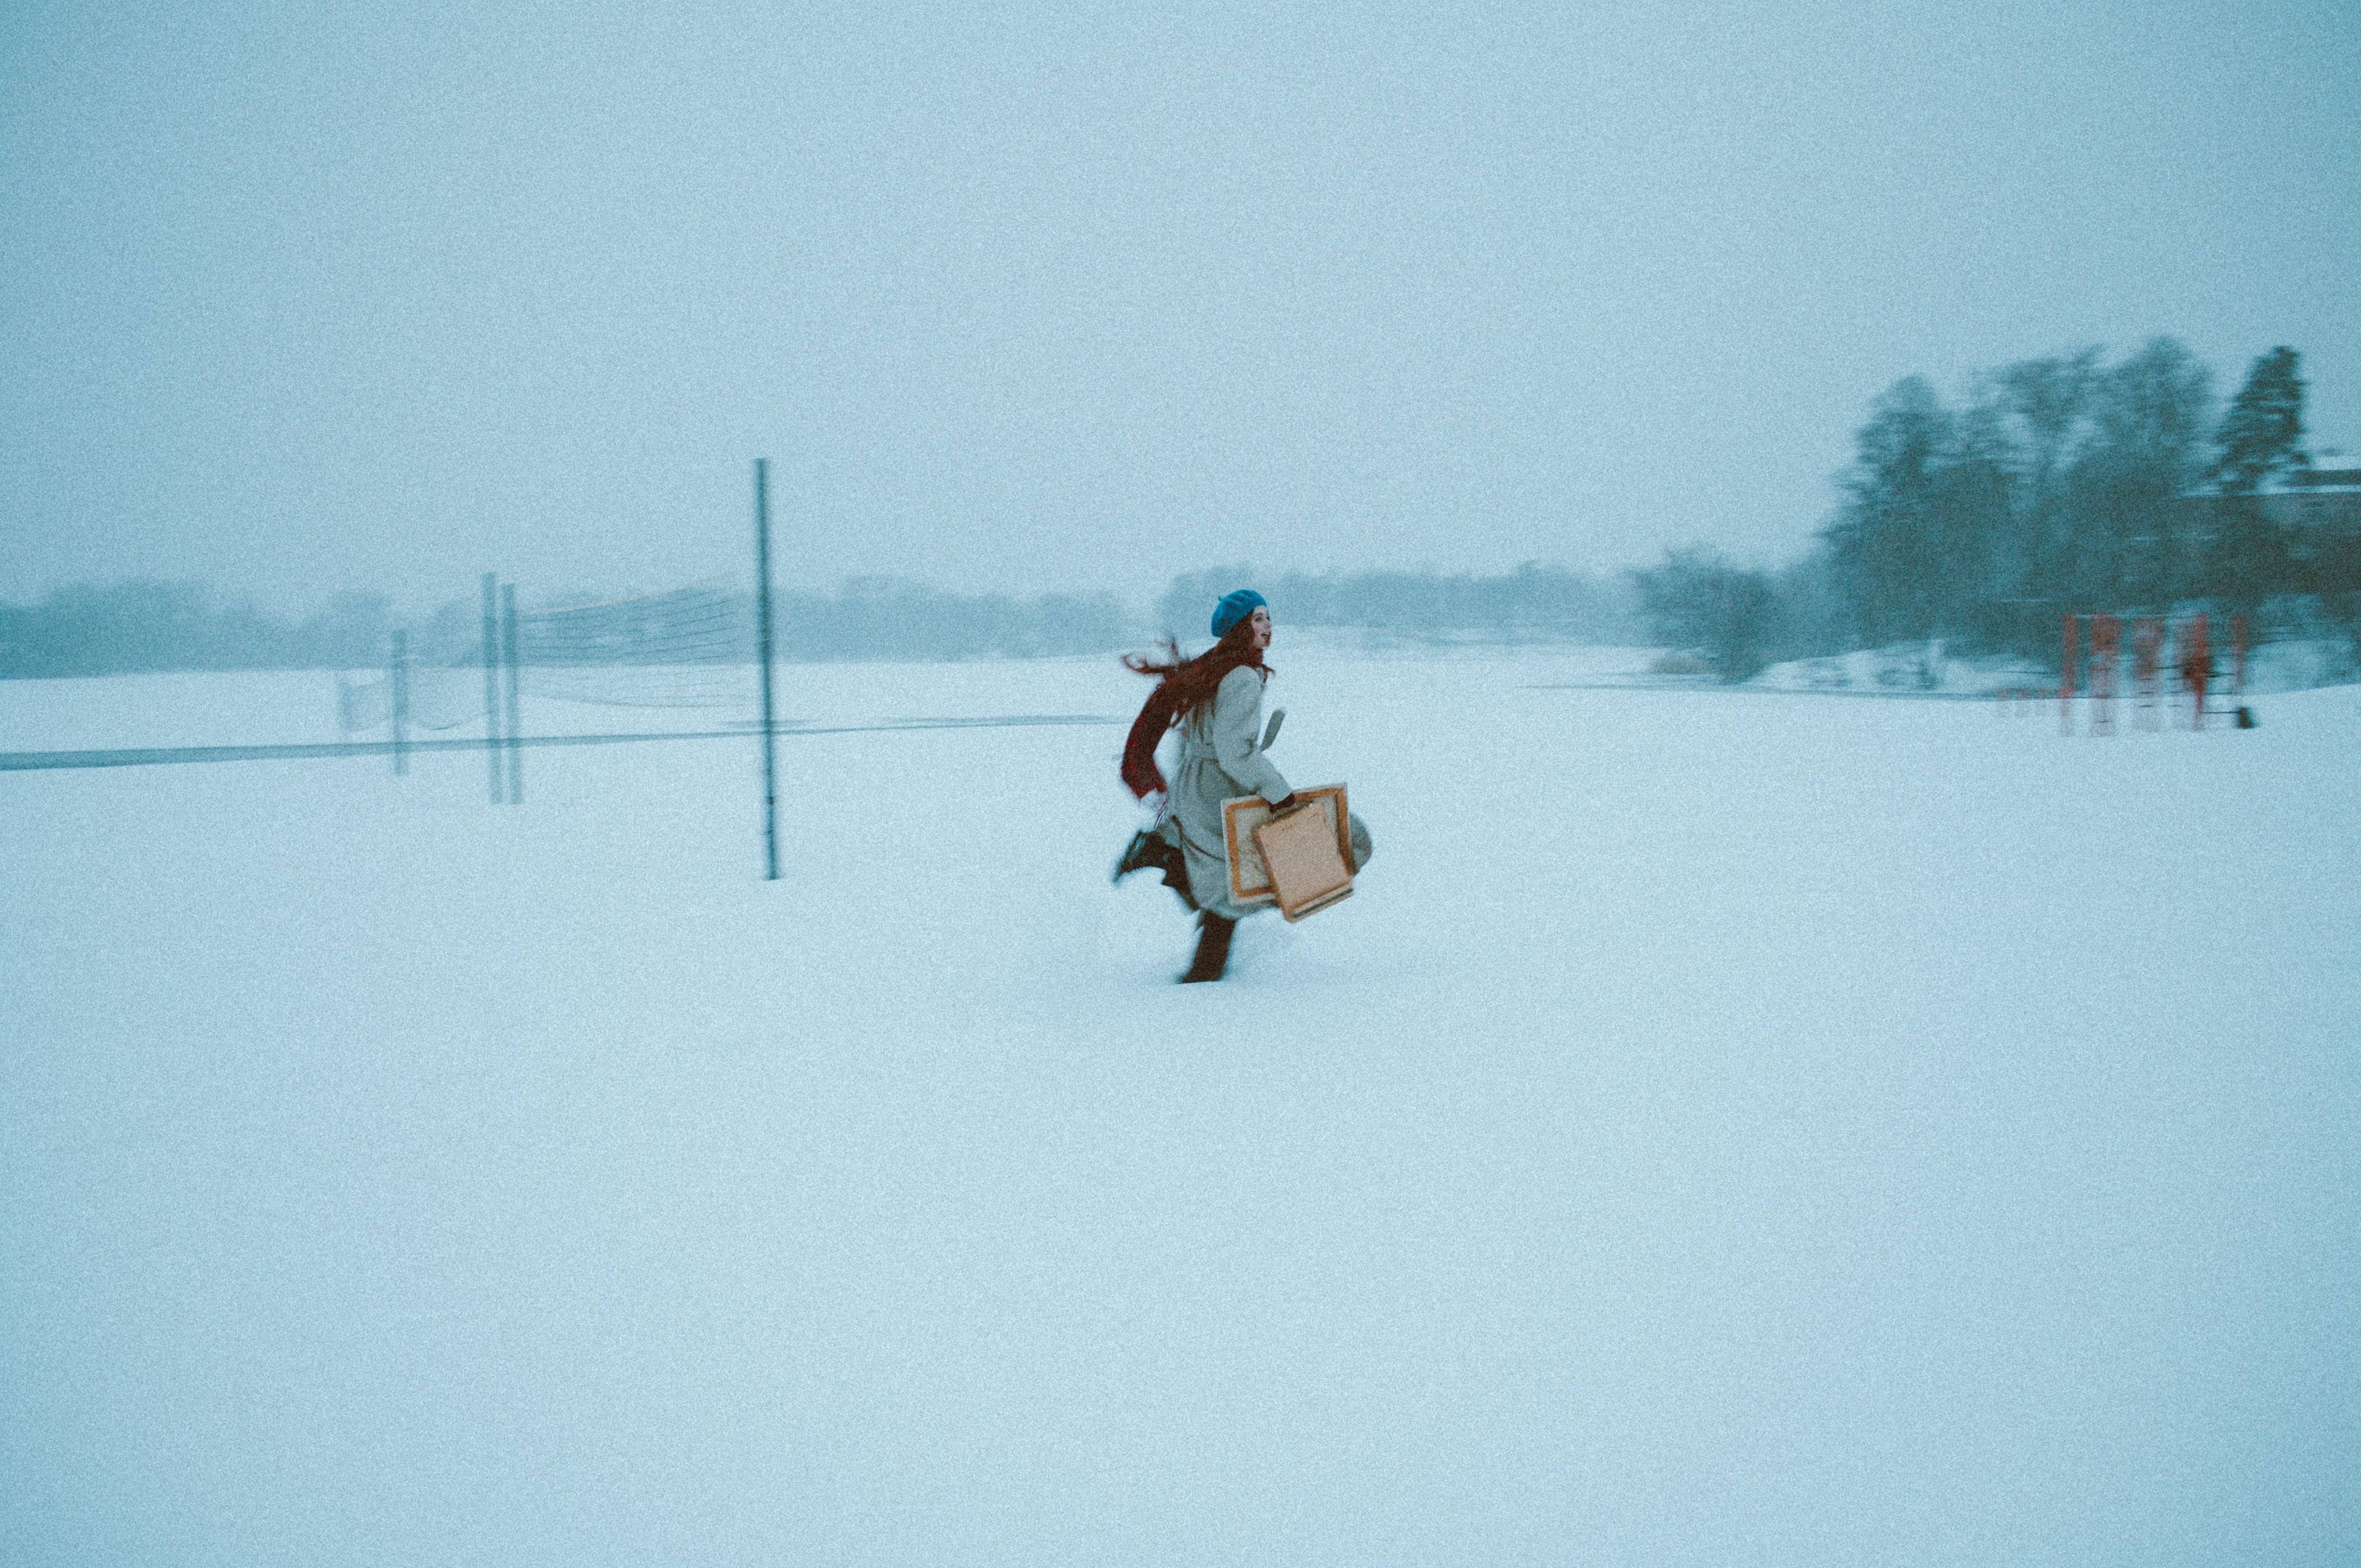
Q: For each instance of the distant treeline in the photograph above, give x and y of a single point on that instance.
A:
(146, 625)
(2059, 486)
(1532, 603)
(143, 625)
(885, 617)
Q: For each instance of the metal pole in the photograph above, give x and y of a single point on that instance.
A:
(2147, 646)
(2104, 634)
(492, 686)
(516, 727)
(2066, 679)
(397, 681)
(763, 626)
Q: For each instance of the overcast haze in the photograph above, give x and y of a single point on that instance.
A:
(305, 297)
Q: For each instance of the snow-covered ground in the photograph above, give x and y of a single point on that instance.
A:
(1722, 1128)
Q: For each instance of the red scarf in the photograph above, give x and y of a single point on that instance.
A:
(1161, 711)
(1155, 715)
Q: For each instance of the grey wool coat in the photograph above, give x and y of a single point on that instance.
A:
(1222, 758)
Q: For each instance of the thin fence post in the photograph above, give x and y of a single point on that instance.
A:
(2148, 642)
(515, 726)
(2104, 657)
(397, 683)
(2066, 680)
(763, 652)
(492, 686)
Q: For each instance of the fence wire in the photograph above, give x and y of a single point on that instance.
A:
(683, 648)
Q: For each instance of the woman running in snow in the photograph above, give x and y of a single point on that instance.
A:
(1215, 701)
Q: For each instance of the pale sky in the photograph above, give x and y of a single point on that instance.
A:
(303, 297)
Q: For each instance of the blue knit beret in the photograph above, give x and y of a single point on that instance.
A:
(1235, 605)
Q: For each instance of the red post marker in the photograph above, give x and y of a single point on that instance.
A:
(2196, 667)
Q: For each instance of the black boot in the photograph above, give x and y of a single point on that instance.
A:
(1145, 852)
(1213, 932)
(1152, 852)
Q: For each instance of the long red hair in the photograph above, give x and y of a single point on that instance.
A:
(1190, 683)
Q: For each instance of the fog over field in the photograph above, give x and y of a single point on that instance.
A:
(305, 299)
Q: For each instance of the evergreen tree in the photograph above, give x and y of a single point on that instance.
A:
(1886, 543)
(1977, 507)
(2046, 403)
(2248, 558)
(2144, 449)
(2262, 434)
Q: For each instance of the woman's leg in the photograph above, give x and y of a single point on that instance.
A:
(1213, 933)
